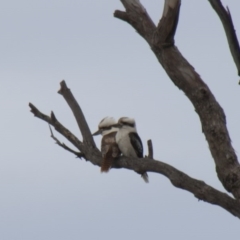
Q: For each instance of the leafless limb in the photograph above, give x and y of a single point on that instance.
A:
(201, 190)
(78, 114)
(58, 126)
(164, 36)
(226, 19)
(63, 145)
(183, 75)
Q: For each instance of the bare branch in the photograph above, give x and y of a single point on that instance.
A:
(122, 15)
(40, 115)
(78, 154)
(185, 78)
(168, 24)
(78, 114)
(135, 4)
(170, 4)
(150, 149)
(179, 179)
(58, 126)
(201, 190)
(226, 19)
(137, 16)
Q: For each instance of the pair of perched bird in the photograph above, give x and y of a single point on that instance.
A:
(119, 138)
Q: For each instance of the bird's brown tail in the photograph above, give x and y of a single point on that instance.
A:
(106, 163)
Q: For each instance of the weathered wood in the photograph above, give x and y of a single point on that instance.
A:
(78, 114)
(183, 75)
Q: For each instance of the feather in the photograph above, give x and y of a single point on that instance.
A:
(110, 151)
(136, 143)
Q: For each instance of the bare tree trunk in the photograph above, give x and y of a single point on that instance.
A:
(183, 75)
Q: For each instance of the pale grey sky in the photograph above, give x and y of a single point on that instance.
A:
(46, 193)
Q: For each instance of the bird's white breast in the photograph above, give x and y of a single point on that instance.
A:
(124, 143)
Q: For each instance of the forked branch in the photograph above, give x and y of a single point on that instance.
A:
(64, 146)
(184, 76)
(201, 190)
(52, 120)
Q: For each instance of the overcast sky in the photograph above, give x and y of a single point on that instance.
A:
(48, 194)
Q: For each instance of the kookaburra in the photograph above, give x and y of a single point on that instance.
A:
(109, 147)
(129, 141)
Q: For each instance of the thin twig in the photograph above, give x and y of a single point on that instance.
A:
(58, 126)
(63, 145)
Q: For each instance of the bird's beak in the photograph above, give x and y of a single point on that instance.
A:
(97, 132)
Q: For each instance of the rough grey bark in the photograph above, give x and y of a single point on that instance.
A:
(212, 117)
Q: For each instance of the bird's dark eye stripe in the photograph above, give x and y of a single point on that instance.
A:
(106, 128)
(128, 124)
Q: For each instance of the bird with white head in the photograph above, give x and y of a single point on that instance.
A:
(109, 147)
(129, 142)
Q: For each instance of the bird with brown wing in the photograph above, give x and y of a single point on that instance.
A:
(109, 147)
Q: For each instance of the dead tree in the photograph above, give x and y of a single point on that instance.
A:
(212, 117)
